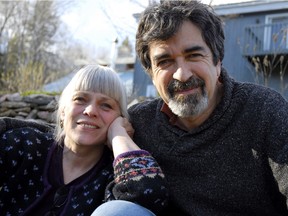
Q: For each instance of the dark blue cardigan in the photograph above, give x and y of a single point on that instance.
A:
(25, 155)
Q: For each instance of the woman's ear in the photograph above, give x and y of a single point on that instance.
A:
(62, 115)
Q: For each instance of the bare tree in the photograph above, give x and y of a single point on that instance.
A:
(123, 27)
(33, 28)
(275, 63)
(6, 12)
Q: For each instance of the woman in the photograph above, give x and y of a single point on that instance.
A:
(71, 172)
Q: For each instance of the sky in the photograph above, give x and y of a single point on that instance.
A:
(96, 29)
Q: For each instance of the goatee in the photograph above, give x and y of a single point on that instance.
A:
(187, 105)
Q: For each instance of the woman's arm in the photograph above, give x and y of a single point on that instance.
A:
(119, 137)
(138, 177)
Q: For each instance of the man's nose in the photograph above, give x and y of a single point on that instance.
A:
(182, 72)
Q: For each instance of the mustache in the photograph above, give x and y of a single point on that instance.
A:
(193, 82)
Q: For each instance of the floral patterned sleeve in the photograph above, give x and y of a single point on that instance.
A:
(138, 178)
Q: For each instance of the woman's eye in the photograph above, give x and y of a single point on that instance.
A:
(106, 106)
(79, 99)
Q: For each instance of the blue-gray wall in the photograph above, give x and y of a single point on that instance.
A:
(234, 61)
(141, 80)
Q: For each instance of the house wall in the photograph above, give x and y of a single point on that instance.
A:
(234, 61)
(141, 80)
(236, 65)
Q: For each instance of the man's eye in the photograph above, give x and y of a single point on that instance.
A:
(164, 63)
(194, 55)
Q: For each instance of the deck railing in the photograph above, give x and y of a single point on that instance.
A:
(266, 39)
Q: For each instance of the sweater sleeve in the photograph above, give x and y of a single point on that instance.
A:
(276, 122)
(20, 147)
(7, 123)
(139, 179)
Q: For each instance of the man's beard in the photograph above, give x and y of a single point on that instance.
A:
(187, 105)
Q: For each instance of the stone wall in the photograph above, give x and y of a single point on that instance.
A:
(38, 107)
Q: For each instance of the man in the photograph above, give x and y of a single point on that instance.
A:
(222, 144)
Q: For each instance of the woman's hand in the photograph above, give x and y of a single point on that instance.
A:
(119, 136)
(128, 127)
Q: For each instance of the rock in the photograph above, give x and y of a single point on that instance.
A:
(13, 104)
(38, 99)
(14, 97)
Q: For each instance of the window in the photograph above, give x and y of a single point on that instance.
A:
(276, 32)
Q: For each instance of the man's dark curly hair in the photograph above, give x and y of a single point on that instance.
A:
(161, 21)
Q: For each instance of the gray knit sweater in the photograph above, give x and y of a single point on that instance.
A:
(235, 163)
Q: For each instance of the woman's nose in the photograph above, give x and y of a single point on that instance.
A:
(91, 110)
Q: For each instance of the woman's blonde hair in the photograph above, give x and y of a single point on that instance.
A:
(94, 78)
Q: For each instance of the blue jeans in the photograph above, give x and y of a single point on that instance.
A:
(121, 208)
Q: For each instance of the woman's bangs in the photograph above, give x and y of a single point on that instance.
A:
(94, 82)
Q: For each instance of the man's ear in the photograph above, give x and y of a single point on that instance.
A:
(219, 66)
